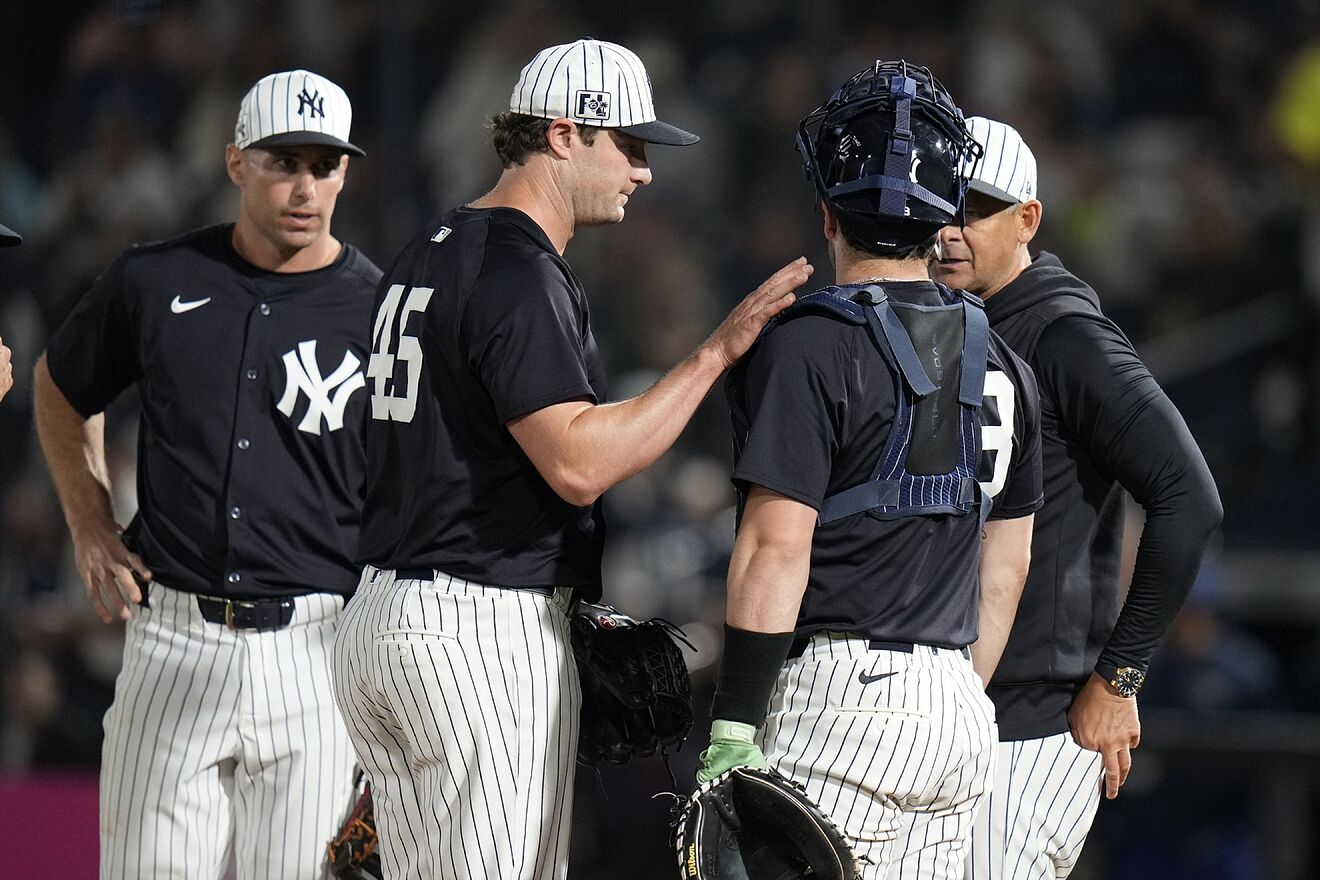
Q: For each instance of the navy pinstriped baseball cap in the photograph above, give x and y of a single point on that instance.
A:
(593, 82)
(1007, 167)
(292, 109)
(8, 237)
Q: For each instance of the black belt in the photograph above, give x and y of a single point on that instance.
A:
(800, 646)
(247, 613)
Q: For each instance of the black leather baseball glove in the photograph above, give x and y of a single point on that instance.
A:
(636, 695)
(749, 824)
(353, 853)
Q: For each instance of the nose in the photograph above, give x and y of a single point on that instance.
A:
(304, 186)
(641, 174)
(950, 233)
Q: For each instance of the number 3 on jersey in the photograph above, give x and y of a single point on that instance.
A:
(996, 439)
(387, 403)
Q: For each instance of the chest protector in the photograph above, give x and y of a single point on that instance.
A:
(937, 357)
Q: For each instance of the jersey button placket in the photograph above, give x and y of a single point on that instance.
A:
(244, 469)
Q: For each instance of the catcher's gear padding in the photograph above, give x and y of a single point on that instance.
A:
(353, 853)
(636, 694)
(750, 824)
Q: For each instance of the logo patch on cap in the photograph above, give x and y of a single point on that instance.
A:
(592, 105)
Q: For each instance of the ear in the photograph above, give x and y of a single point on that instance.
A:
(559, 137)
(1029, 220)
(343, 167)
(236, 165)
(831, 223)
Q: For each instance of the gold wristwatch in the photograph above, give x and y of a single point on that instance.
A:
(1127, 680)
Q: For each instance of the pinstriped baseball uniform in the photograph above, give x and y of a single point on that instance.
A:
(896, 747)
(463, 700)
(1106, 426)
(233, 728)
(223, 747)
(1035, 822)
(464, 544)
(880, 714)
(454, 666)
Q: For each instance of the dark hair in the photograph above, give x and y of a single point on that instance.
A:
(517, 136)
(919, 251)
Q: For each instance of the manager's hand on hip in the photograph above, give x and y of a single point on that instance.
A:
(731, 745)
(739, 330)
(107, 568)
(6, 369)
(1104, 722)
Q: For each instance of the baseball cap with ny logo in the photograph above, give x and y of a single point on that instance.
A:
(294, 108)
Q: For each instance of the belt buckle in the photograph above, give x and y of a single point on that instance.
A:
(229, 610)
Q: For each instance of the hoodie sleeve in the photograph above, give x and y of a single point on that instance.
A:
(1110, 405)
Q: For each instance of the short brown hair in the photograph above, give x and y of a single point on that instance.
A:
(517, 136)
(919, 251)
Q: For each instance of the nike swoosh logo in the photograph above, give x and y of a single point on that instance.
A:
(178, 306)
(867, 679)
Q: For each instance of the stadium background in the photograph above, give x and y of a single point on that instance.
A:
(1179, 146)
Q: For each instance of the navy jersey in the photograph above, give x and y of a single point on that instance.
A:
(252, 388)
(820, 399)
(1106, 426)
(479, 321)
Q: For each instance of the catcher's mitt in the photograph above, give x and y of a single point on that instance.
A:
(353, 853)
(749, 824)
(636, 695)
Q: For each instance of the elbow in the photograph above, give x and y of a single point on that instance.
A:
(1206, 507)
(576, 487)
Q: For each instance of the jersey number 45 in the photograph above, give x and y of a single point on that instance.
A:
(393, 399)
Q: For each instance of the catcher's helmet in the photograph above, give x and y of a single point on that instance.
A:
(886, 153)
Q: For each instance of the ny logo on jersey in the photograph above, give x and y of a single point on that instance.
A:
(327, 397)
(313, 103)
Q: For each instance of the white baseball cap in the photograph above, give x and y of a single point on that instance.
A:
(292, 109)
(593, 82)
(1007, 170)
(8, 237)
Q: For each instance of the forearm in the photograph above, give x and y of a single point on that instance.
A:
(1172, 542)
(74, 448)
(592, 448)
(765, 588)
(767, 577)
(1005, 560)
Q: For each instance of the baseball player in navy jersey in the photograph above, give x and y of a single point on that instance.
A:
(8, 238)
(1065, 690)
(862, 422)
(248, 343)
(489, 446)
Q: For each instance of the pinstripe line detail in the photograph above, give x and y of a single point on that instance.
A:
(478, 763)
(218, 754)
(1023, 833)
(900, 764)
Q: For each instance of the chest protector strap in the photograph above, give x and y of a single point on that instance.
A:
(937, 473)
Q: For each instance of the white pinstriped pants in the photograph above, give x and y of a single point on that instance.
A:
(1036, 819)
(462, 701)
(897, 748)
(223, 742)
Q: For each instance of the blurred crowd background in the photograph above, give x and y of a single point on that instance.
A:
(1179, 148)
